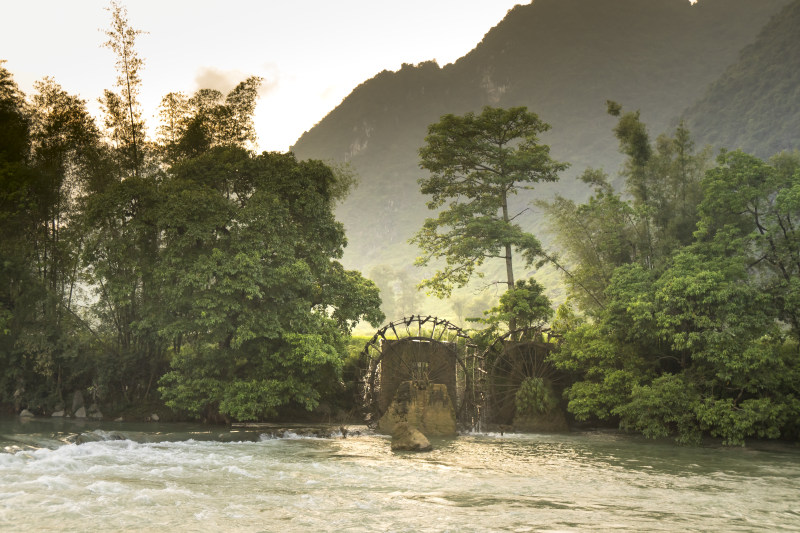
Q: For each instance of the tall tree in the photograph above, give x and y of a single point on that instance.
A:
(257, 303)
(65, 147)
(476, 163)
(17, 188)
(211, 119)
(746, 197)
(124, 109)
(122, 239)
(659, 216)
(44, 178)
(663, 180)
(173, 112)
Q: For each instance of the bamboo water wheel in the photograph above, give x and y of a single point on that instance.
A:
(420, 349)
(511, 360)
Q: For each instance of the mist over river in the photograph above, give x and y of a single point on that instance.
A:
(182, 477)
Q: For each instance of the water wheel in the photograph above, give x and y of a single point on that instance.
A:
(515, 360)
(422, 349)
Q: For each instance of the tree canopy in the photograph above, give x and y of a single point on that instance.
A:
(688, 292)
(476, 163)
(252, 285)
(189, 270)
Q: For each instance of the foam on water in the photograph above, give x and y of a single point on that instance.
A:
(107, 487)
(297, 481)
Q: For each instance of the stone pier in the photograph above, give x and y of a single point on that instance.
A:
(422, 405)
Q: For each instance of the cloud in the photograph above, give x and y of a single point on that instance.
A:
(225, 80)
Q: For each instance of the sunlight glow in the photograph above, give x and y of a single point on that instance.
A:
(311, 53)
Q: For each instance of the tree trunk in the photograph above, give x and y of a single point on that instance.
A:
(512, 323)
(130, 112)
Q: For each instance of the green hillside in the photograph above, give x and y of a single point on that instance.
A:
(755, 104)
(561, 58)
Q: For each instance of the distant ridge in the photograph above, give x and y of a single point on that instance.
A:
(755, 104)
(561, 58)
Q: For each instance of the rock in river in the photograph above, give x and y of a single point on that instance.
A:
(405, 437)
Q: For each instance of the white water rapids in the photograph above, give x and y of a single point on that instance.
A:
(173, 477)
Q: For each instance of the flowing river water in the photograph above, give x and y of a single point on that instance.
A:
(181, 477)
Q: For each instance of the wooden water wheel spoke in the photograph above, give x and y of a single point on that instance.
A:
(505, 393)
(516, 357)
(420, 349)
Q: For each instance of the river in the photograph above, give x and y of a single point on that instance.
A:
(183, 477)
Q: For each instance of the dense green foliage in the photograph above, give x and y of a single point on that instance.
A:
(663, 184)
(257, 305)
(477, 162)
(525, 307)
(684, 332)
(49, 151)
(193, 271)
(534, 397)
(190, 267)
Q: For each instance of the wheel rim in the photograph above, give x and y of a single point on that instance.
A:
(422, 349)
(511, 363)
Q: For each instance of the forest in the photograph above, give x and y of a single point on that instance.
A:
(189, 273)
(682, 316)
(186, 271)
(686, 285)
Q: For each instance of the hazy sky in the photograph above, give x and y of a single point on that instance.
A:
(311, 53)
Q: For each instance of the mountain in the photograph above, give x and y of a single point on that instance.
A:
(755, 104)
(562, 59)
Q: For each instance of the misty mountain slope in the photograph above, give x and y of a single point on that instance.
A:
(755, 104)
(561, 58)
(565, 58)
